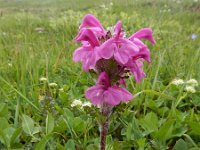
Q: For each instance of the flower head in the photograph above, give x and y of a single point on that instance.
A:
(110, 54)
(192, 82)
(177, 82)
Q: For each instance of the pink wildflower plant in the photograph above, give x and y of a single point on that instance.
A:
(111, 55)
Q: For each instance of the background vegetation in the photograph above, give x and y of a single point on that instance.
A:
(37, 40)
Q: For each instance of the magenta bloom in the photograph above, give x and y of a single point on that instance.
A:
(104, 93)
(110, 54)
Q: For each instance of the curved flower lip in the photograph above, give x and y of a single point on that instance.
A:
(103, 79)
(122, 49)
(135, 66)
(87, 35)
(145, 33)
(144, 52)
(90, 21)
(104, 93)
(87, 55)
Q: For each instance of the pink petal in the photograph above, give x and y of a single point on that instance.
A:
(106, 50)
(125, 50)
(80, 53)
(118, 29)
(143, 52)
(121, 56)
(95, 94)
(114, 95)
(90, 21)
(145, 33)
(87, 35)
(90, 59)
(104, 80)
(136, 68)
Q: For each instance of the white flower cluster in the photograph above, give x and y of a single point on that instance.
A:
(189, 84)
(78, 102)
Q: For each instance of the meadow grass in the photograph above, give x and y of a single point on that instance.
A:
(37, 40)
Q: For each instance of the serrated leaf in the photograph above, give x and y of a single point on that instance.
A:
(49, 123)
(27, 124)
(180, 145)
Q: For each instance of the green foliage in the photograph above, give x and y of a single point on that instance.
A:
(39, 81)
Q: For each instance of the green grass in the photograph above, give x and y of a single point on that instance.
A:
(158, 118)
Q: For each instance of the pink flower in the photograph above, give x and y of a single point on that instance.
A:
(145, 33)
(104, 93)
(99, 45)
(120, 48)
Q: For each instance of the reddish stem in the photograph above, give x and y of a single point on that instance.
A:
(103, 134)
(105, 111)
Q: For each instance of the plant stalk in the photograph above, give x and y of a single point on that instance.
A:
(104, 125)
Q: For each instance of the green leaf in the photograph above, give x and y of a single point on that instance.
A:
(2, 137)
(15, 136)
(3, 123)
(195, 126)
(70, 145)
(78, 124)
(180, 145)
(150, 122)
(133, 132)
(41, 145)
(27, 124)
(4, 110)
(165, 132)
(49, 123)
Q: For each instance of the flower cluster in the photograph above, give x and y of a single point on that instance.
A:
(111, 55)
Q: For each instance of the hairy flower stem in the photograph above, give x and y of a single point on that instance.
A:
(103, 134)
(106, 112)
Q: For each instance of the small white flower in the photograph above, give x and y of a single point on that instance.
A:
(53, 84)
(88, 104)
(177, 82)
(111, 3)
(190, 89)
(76, 102)
(43, 79)
(192, 82)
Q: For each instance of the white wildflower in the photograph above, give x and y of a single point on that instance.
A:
(177, 82)
(53, 84)
(76, 102)
(88, 104)
(43, 79)
(190, 89)
(192, 82)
